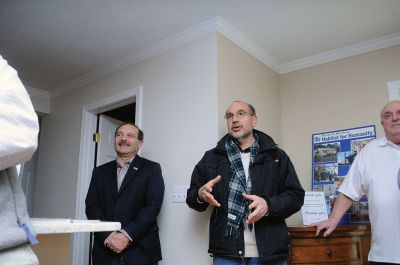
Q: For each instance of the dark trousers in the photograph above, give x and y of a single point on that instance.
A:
(118, 260)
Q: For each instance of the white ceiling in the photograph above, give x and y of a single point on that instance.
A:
(55, 44)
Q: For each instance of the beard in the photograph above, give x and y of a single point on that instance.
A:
(240, 135)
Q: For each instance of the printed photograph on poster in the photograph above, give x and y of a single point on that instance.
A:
(325, 172)
(338, 182)
(326, 152)
(359, 211)
(331, 202)
(327, 189)
(346, 158)
(357, 145)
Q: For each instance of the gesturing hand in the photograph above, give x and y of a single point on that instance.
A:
(258, 206)
(204, 192)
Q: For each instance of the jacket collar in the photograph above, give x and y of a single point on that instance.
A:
(132, 172)
(265, 141)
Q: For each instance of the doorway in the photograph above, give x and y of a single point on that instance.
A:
(107, 122)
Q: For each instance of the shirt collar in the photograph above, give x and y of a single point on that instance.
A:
(385, 142)
(247, 150)
(126, 163)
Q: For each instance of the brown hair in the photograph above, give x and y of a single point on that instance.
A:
(140, 134)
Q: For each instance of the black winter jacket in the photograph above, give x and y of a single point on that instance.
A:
(273, 178)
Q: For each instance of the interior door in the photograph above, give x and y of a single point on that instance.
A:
(105, 148)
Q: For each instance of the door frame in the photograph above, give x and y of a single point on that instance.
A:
(80, 241)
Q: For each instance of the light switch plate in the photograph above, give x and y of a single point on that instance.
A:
(179, 193)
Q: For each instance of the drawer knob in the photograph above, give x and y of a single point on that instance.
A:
(329, 252)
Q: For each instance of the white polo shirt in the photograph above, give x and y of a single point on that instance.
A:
(374, 173)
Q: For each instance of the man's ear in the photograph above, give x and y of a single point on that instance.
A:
(254, 120)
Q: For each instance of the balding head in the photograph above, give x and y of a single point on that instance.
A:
(390, 120)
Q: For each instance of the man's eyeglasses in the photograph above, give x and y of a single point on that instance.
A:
(239, 114)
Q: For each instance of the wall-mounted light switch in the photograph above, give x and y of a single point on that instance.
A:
(179, 193)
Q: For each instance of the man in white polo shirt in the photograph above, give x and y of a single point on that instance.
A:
(375, 173)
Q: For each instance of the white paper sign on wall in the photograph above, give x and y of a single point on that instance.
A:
(393, 90)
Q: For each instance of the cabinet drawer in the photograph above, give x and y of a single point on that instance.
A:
(322, 250)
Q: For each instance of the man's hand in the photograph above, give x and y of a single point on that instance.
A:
(342, 204)
(118, 242)
(204, 192)
(258, 208)
(329, 225)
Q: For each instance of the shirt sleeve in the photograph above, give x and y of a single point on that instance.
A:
(18, 120)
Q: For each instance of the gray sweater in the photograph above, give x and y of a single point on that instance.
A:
(13, 211)
(19, 130)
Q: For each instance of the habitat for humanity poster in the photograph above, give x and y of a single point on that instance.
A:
(332, 155)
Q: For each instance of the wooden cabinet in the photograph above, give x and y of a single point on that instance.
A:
(346, 245)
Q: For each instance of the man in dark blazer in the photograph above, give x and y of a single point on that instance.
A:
(129, 190)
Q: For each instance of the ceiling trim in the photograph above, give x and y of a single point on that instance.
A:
(165, 45)
(217, 24)
(38, 93)
(333, 55)
(246, 44)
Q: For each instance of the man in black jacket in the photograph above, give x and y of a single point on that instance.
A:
(253, 187)
(129, 190)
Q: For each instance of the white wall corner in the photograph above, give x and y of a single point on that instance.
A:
(247, 44)
(40, 99)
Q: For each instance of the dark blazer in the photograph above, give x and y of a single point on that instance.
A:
(135, 206)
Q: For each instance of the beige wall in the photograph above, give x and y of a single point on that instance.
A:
(53, 249)
(179, 104)
(242, 77)
(337, 95)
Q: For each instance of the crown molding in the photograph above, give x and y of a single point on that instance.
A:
(217, 24)
(38, 93)
(165, 45)
(356, 49)
(246, 44)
